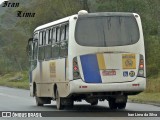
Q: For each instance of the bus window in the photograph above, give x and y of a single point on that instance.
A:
(67, 31)
(48, 47)
(41, 54)
(55, 43)
(48, 52)
(50, 36)
(47, 37)
(40, 38)
(55, 51)
(32, 52)
(57, 34)
(35, 47)
(62, 33)
(53, 35)
(34, 61)
(106, 31)
(35, 36)
(44, 37)
(64, 41)
(30, 49)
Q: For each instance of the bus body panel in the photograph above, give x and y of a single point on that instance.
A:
(77, 50)
(109, 67)
(50, 73)
(79, 86)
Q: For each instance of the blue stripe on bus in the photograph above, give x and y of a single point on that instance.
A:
(90, 68)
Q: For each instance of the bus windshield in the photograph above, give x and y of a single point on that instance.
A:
(106, 31)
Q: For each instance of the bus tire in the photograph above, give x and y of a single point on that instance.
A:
(60, 106)
(94, 103)
(121, 105)
(39, 101)
(70, 104)
(112, 104)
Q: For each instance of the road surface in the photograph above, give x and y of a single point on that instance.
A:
(12, 99)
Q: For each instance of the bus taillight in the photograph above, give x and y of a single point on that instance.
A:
(75, 68)
(141, 67)
(76, 74)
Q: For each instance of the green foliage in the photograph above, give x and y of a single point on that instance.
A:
(15, 31)
(152, 48)
(15, 79)
(146, 98)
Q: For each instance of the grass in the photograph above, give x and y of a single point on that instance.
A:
(146, 98)
(151, 94)
(153, 85)
(16, 80)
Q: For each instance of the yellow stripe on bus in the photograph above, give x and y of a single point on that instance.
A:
(101, 62)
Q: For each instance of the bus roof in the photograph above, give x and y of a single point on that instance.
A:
(52, 23)
(84, 15)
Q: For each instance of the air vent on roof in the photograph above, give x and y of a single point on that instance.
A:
(82, 12)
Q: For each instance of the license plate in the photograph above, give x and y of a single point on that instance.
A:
(108, 73)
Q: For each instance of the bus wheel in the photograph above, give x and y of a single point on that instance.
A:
(59, 101)
(121, 105)
(112, 104)
(39, 101)
(70, 103)
(94, 103)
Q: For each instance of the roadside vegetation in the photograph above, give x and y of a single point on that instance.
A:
(16, 80)
(151, 94)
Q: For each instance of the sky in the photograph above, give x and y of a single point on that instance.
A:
(2, 1)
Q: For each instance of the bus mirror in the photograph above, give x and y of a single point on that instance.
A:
(29, 47)
(30, 40)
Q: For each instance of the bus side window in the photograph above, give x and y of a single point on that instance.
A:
(41, 53)
(47, 37)
(55, 43)
(50, 36)
(30, 50)
(35, 48)
(57, 34)
(34, 61)
(67, 31)
(47, 48)
(53, 35)
(64, 41)
(40, 38)
(44, 37)
(62, 33)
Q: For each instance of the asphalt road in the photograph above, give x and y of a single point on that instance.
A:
(12, 99)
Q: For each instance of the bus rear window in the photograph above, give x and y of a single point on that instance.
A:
(106, 31)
